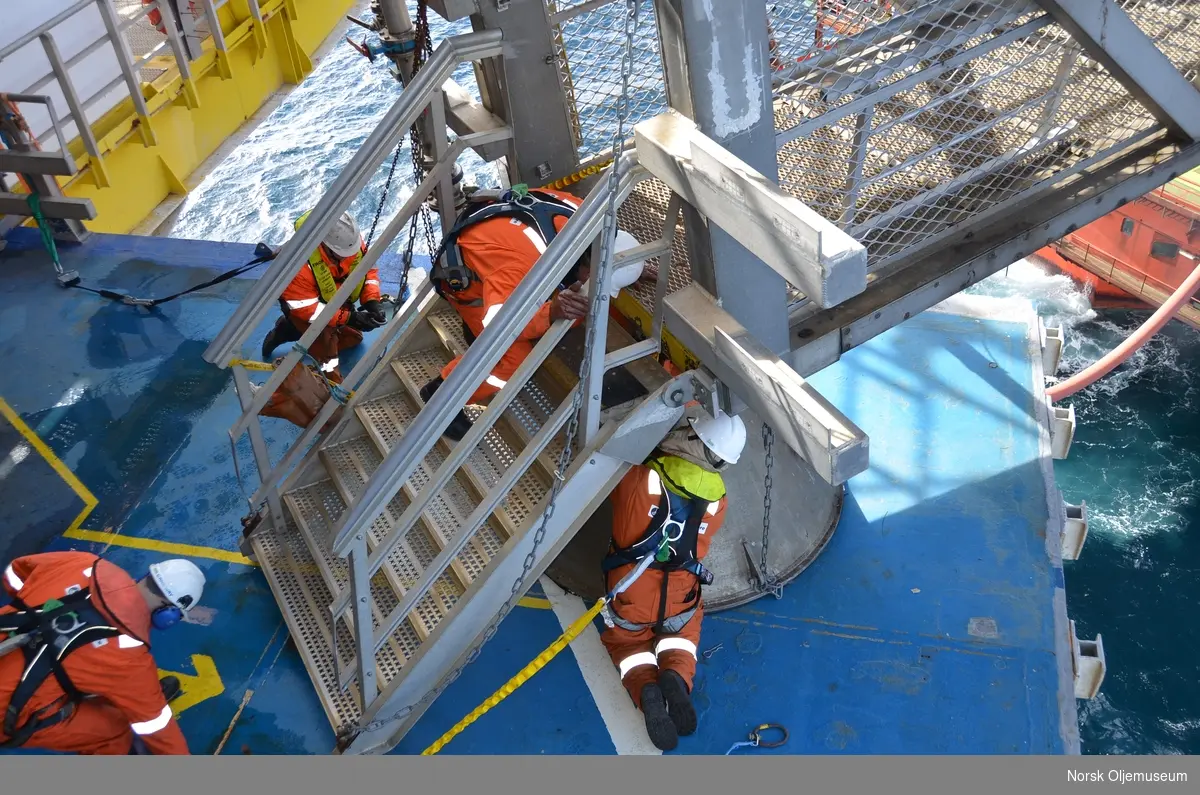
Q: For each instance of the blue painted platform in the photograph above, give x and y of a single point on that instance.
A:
(928, 625)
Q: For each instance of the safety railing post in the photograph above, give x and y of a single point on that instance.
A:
(125, 61)
(258, 444)
(594, 387)
(190, 96)
(364, 632)
(214, 24)
(77, 111)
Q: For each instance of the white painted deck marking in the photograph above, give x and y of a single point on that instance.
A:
(624, 722)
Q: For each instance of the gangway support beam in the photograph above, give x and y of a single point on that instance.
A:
(808, 423)
(795, 241)
(1107, 33)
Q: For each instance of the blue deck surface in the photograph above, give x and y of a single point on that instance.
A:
(926, 626)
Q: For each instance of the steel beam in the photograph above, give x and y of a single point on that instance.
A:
(65, 207)
(808, 423)
(791, 238)
(716, 66)
(1108, 35)
(465, 116)
(527, 92)
(930, 274)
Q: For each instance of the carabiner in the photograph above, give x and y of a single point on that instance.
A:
(758, 740)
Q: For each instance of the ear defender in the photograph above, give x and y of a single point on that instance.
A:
(166, 617)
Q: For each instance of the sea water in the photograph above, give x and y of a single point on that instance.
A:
(1135, 459)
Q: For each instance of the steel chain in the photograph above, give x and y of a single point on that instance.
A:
(769, 583)
(564, 459)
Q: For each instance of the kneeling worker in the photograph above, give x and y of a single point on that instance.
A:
(669, 507)
(314, 286)
(493, 245)
(76, 673)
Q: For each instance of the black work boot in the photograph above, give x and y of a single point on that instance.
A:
(659, 726)
(171, 688)
(679, 702)
(458, 426)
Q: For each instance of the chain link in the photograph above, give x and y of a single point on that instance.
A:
(769, 583)
(347, 734)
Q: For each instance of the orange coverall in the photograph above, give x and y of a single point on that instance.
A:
(120, 671)
(639, 654)
(302, 299)
(501, 251)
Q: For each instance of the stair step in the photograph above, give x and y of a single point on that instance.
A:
(300, 590)
(315, 509)
(490, 459)
(386, 419)
(527, 412)
(354, 462)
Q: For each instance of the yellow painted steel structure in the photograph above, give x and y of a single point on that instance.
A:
(189, 120)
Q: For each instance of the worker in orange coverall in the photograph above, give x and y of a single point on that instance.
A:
(484, 257)
(76, 673)
(669, 507)
(314, 286)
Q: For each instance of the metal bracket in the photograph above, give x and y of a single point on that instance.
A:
(502, 5)
(758, 574)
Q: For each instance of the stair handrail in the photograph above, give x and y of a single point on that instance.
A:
(483, 354)
(295, 253)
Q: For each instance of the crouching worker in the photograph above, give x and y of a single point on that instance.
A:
(76, 673)
(307, 387)
(315, 285)
(669, 507)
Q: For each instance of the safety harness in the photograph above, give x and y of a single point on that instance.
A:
(674, 546)
(536, 209)
(47, 635)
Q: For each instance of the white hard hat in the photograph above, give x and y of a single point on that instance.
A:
(723, 434)
(626, 274)
(344, 239)
(180, 581)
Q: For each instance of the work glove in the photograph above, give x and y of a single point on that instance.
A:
(362, 320)
(375, 310)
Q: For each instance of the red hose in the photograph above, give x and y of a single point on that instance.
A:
(1119, 354)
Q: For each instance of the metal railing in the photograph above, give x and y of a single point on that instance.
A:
(135, 43)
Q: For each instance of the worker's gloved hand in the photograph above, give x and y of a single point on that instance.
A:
(375, 310)
(569, 305)
(362, 320)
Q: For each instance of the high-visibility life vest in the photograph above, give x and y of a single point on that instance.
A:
(324, 276)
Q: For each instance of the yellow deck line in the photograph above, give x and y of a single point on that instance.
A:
(35, 441)
(154, 545)
(536, 602)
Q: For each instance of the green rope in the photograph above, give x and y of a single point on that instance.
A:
(35, 204)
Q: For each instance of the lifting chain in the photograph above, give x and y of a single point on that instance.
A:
(347, 733)
(770, 584)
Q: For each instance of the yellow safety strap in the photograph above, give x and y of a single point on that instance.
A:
(521, 678)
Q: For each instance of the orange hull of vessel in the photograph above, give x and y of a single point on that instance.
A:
(1137, 255)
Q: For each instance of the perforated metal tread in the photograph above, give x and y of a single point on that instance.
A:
(385, 419)
(315, 509)
(488, 462)
(528, 411)
(300, 590)
(350, 464)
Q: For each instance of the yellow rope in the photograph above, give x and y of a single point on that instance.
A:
(521, 678)
(578, 176)
(250, 364)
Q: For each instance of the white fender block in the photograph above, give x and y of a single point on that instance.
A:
(1053, 340)
(1075, 528)
(1062, 430)
(1087, 659)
